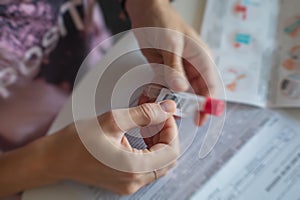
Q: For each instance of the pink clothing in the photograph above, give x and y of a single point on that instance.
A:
(42, 45)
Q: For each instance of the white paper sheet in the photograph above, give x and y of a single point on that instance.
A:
(257, 48)
(268, 167)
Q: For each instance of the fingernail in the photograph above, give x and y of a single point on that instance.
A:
(167, 106)
(179, 84)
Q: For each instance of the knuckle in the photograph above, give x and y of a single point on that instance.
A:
(129, 189)
(173, 39)
(147, 112)
(132, 176)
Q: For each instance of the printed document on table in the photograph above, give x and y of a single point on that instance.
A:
(257, 49)
(268, 167)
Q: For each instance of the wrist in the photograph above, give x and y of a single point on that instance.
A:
(138, 8)
(41, 166)
(23, 169)
(54, 155)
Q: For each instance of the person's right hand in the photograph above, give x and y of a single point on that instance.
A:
(69, 159)
(62, 156)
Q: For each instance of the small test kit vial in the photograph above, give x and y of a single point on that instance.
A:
(187, 104)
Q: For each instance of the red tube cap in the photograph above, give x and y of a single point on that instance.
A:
(214, 107)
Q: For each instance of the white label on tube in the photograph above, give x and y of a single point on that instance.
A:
(186, 103)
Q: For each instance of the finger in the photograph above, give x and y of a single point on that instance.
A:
(200, 58)
(201, 71)
(166, 145)
(156, 174)
(168, 139)
(152, 55)
(197, 82)
(152, 113)
(199, 87)
(167, 136)
(149, 133)
(143, 99)
(147, 139)
(162, 134)
(152, 90)
(123, 120)
(200, 118)
(125, 143)
(175, 77)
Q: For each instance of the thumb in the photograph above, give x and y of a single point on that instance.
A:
(143, 115)
(175, 77)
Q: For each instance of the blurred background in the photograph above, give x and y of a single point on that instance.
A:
(111, 10)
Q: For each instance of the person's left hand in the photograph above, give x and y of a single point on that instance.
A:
(196, 70)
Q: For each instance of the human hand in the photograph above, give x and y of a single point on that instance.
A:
(69, 159)
(179, 47)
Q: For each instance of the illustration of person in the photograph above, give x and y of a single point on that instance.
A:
(293, 29)
(232, 78)
(293, 62)
(240, 9)
(290, 85)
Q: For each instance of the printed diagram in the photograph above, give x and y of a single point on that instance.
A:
(290, 86)
(240, 8)
(293, 62)
(233, 78)
(292, 28)
(242, 39)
